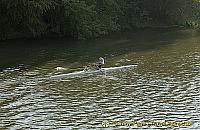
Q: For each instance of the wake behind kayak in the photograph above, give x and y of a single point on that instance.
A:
(87, 73)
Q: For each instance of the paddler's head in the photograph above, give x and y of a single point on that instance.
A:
(101, 59)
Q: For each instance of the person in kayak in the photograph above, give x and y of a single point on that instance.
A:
(100, 63)
(96, 66)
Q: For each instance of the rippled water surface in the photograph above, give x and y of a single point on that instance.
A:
(163, 87)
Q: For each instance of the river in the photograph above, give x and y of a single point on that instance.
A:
(163, 87)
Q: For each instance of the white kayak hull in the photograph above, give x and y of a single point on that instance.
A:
(83, 73)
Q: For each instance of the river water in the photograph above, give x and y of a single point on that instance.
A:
(164, 87)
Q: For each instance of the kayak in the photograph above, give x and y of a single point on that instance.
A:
(87, 73)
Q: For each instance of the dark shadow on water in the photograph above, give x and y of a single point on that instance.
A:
(35, 52)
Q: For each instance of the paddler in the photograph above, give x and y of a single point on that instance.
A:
(96, 66)
(100, 63)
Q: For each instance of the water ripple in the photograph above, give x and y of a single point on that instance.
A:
(164, 87)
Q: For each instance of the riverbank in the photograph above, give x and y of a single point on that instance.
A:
(82, 20)
(100, 36)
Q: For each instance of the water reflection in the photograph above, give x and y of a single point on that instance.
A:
(164, 86)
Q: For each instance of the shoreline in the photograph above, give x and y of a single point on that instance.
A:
(99, 37)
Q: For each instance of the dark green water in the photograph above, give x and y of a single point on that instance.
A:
(163, 87)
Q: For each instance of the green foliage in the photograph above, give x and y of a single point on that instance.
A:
(135, 13)
(24, 17)
(92, 18)
(83, 19)
(170, 11)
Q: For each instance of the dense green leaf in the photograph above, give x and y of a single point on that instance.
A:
(82, 19)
